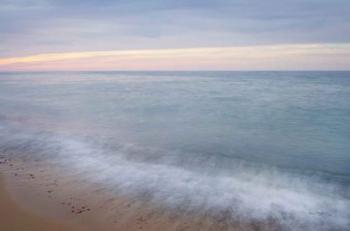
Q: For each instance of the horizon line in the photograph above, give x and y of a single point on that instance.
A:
(327, 56)
(156, 70)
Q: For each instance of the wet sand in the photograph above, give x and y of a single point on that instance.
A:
(15, 218)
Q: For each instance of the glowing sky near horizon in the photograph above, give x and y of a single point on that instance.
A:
(48, 35)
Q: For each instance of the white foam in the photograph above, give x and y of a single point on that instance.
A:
(246, 192)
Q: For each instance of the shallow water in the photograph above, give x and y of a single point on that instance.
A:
(257, 144)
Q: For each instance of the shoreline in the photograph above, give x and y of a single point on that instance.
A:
(35, 201)
(47, 196)
(58, 208)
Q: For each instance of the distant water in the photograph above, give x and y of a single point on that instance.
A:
(263, 144)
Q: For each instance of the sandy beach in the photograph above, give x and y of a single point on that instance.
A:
(15, 218)
(29, 204)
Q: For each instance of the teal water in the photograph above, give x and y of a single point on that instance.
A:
(213, 138)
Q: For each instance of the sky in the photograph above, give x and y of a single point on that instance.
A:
(48, 35)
